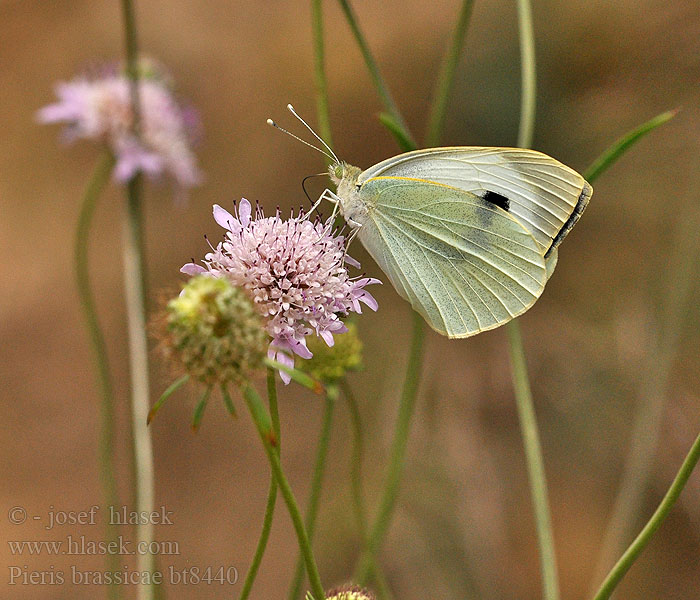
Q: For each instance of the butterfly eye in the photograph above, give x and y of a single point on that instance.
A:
(339, 171)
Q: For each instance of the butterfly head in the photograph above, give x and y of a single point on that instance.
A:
(343, 174)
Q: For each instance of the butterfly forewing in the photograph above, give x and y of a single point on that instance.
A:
(464, 264)
(546, 196)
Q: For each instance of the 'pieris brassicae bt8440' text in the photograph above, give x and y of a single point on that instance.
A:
(468, 235)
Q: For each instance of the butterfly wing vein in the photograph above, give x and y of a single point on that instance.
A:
(463, 264)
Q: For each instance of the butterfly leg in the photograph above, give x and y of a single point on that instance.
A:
(353, 234)
(331, 197)
(321, 198)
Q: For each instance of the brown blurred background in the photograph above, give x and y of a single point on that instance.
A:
(463, 526)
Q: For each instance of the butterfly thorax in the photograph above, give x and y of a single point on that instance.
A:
(352, 206)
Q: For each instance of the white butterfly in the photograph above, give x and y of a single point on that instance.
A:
(468, 235)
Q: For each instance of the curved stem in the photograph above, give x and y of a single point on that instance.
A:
(271, 495)
(269, 439)
(356, 483)
(316, 484)
(356, 460)
(436, 120)
(398, 452)
(262, 541)
(652, 395)
(92, 194)
(627, 560)
(382, 89)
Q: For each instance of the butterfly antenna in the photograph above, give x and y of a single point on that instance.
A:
(318, 137)
(296, 137)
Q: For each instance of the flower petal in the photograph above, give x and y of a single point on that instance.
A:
(192, 269)
(327, 337)
(299, 347)
(283, 358)
(352, 262)
(224, 218)
(244, 212)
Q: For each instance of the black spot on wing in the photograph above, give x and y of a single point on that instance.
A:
(497, 199)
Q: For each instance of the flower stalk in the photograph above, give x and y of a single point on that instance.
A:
(135, 292)
(316, 484)
(521, 383)
(268, 436)
(95, 187)
(134, 269)
(271, 493)
(627, 560)
(390, 490)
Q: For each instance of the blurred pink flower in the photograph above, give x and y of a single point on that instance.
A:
(99, 108)
(295, 273)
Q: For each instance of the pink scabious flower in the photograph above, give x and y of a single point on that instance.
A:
(295, 273)
(100, 108)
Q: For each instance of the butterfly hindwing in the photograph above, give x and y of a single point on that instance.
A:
(546, 196)
(463, 263)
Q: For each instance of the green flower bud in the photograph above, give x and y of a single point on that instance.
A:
(214, 332)
(330, 363)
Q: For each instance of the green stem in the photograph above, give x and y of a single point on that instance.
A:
(528, 75)
(521, 382)
(627, 560)
(358, 498)
(316, 484)
(271, 495)
(436, 120)
(320, 80)
(135, 288)
(270, 440)
(92, 194)
(535, 463)
(274, 409)
(382, 89)
(654, 388)
(131, 48)
(398, 452)
(134, 268)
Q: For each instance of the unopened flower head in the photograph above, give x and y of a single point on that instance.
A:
(100, 108)
(349, 593)
(294, 271)
(330, 363)
(214, 332)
